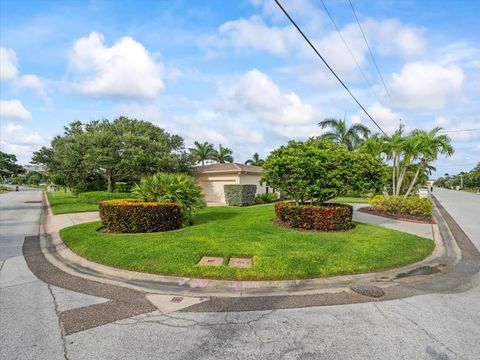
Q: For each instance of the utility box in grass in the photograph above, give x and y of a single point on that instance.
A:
(240, 195)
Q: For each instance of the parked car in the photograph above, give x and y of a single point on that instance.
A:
(423, 192)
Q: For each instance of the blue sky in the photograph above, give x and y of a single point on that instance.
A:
(236, 72)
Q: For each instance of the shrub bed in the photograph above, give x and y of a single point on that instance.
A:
(136, 216)
(240, 195)
(266, 198)
(326, 217)
(412, 205)
(95, 197)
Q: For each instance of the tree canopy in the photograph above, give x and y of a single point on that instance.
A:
(97, 154)
(318, 170)
(340, 133)
(8, 166)
(255, 160)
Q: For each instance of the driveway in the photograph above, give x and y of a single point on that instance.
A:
(434, 326)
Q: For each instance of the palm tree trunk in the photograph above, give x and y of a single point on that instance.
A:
(400, 180)
(393, 173)
(414, 180)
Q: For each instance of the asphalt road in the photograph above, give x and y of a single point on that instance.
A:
(435, 326)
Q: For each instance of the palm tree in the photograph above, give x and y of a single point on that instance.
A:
(223, 155)
(255, 161)
(202, 151)
(430, 145)
(340, 133)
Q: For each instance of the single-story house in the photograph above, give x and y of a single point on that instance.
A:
(213, 177)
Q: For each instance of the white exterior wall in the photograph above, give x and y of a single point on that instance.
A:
(253, 179)
(212, 185)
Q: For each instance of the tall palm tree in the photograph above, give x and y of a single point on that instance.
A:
(255, 160)
(202, 151)
(430, 145)
(340, 133)
(223, 155)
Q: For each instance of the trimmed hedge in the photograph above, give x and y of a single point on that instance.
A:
(412, 205)
(95, 197)
(240, 195)
(136, 216)
(326, 217)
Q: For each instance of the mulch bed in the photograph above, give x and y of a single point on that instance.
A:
(402, 217)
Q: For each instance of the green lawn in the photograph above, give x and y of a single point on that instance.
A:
(347, 199)
(65, 202)
(278, 253)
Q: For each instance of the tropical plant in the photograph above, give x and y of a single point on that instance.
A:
(255, 160)
(202, 151)
(9, 166)
(340, 133)
(176, 188)
(223, 155)
(428, 145)
(318, 170)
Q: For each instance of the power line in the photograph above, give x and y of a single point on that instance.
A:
(369, 49)
(348, 48)
(460, 130)
(328, 66)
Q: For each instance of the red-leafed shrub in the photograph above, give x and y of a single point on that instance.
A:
(326, 217)
(136, 216)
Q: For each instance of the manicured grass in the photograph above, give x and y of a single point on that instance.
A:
(279, 253)
(347, 199)
(65, 202)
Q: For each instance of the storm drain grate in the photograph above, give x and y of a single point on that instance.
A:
(177, 299)
(422, 270)
(368, 290)
(33, 202)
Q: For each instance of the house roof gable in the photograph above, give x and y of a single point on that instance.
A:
(229, 168)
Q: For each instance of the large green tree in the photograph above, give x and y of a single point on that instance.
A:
(8, 166)
(318, 170)
(340, 133)
(100, 152)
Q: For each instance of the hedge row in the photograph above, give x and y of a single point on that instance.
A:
(95, 197)
(240, 195)
(412, 205)
(327, 217)
(136, 216)
(266, 198)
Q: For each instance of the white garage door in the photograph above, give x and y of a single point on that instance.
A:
(213, 189)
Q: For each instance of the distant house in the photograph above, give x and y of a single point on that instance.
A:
(213, 177)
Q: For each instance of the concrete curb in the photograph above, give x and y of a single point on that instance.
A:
(444, 254)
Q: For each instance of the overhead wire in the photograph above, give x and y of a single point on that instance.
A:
(327, 65)
(369, 49)
(349, 49)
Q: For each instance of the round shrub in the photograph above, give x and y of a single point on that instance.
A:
(412, 205)
(325, 217)
(136, 216)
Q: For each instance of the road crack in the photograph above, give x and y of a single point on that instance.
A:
(60, 325)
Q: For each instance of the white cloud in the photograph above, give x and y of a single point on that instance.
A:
(21, 141)
(454, 124)
(126, 69)
(148, 112)
(13, 109)
(426, 85)
(35, 83)
(9, 64)
(255, 93)
(255, 34)
(388, 119)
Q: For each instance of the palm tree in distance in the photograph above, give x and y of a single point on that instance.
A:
(202, 151)
(223, 155)
(340, 133)
(255, 160)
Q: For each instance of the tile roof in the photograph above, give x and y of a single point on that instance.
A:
(229, 167)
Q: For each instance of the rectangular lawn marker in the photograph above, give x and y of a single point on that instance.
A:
(241, 262)
(211, 261)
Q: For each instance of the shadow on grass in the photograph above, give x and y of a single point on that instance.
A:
(213, 216)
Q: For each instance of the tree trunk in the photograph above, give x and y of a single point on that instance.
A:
(414, 180)
(110, 182)
(400, 180)
(393, 173)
